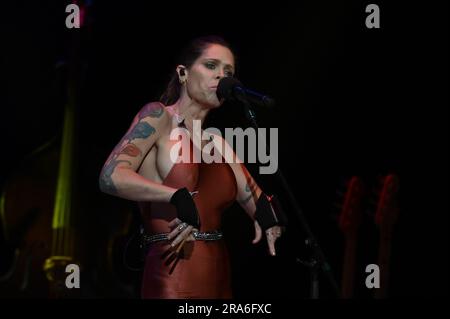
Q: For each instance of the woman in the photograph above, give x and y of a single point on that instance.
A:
(181, 203)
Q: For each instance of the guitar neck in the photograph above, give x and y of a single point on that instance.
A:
(384, 256)
(348, 270)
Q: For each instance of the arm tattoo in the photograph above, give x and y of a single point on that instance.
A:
(140, 130)
(246, 200)
(106, 183)
(250, 187)
(154, 110)
(131, 150)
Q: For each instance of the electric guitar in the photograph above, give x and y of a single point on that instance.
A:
(386, 216)
(349, 222)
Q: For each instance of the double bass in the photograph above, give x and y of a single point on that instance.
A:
(37, 207)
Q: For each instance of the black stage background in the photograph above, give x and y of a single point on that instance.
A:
(350, 101)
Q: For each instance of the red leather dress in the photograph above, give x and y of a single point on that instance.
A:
(203, 271)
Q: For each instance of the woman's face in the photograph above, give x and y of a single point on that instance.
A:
(203, 77)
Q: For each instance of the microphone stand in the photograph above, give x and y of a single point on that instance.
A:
(317, 261)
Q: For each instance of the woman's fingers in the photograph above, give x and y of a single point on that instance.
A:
(178, 229)
(183, 235)
(272, 234)
(258, 233)
(191, 235)
(271, 244)
(174, 222)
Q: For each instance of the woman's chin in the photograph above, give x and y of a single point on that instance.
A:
(215, 103)
(218, 103)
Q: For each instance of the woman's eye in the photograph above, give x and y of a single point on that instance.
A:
(210, 66)
(229, 73)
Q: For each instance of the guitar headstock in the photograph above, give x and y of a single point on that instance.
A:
(351, 213)
(387, 208)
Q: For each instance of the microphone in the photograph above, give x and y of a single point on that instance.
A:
(232, 89)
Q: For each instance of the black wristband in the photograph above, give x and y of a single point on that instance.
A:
(186, 209)
(264, 214)
(281, 215)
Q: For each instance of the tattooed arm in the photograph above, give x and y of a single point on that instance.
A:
(251, 198)
(118, 176)
(248, 191)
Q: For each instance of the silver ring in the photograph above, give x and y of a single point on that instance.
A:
(182, 226)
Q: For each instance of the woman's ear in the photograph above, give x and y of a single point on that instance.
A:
(181, 70)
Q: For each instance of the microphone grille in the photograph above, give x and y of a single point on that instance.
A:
(225, 87)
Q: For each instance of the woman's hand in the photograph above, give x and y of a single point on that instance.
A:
(181, 233)
(272, 234)
(187, 212)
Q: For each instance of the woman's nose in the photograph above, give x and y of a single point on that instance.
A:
(220, 74)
